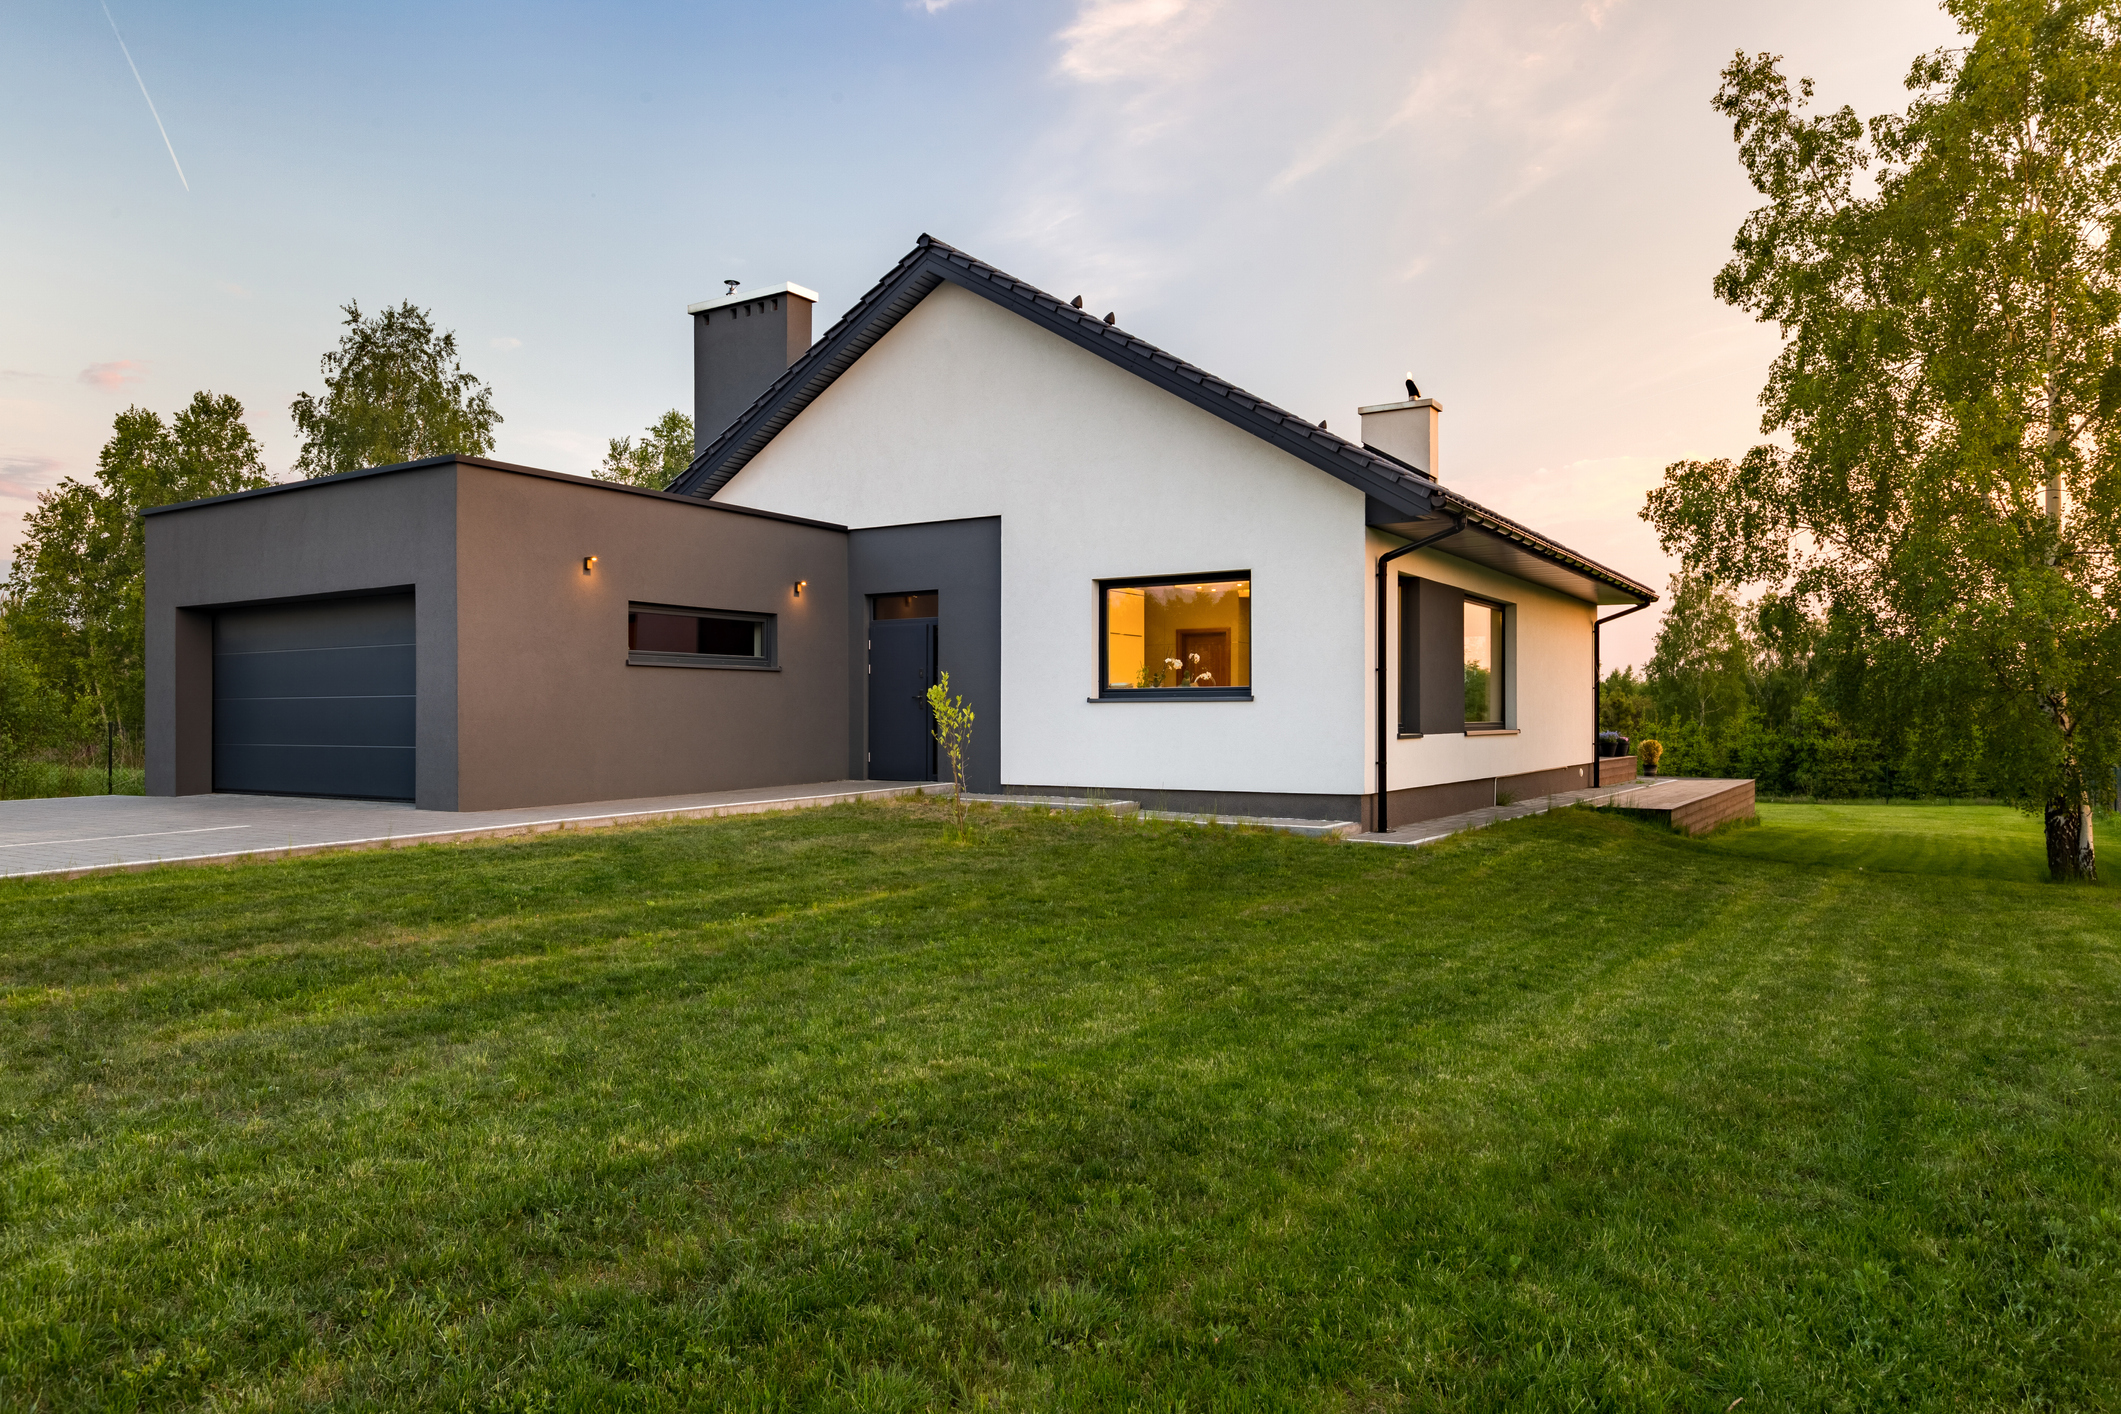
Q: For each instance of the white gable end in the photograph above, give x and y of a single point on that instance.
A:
(965, 409)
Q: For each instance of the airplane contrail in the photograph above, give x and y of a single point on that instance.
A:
(143, 93)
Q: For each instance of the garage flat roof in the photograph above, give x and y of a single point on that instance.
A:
(283, 488)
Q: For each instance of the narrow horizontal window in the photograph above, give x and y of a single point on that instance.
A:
(907, 606)
(1176, 637)
(660, 636)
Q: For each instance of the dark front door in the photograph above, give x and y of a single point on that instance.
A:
(316, 698)
(901, 668)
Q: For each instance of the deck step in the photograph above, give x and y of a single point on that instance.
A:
(1692, 806)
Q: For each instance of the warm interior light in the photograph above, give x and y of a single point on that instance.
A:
(799, 587)
(589, 562)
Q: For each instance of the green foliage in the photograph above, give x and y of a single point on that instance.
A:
(951, 721)
(394, 391)
(1698, 668)
(1477, 709)
(1624, 703)
(658, 459)
(29, 714)
(1948, 284)
(798, 1112)
(76, 597)
(1816, 756)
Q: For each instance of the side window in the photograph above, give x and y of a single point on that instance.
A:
(1484, 660)
(1452, 660)
(665, 636)
(1175, 638)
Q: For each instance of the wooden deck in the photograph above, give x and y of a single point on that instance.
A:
(1695, 806)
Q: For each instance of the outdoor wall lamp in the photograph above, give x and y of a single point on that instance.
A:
(799, 587)
(589, 562)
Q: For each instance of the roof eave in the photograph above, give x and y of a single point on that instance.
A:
(1495, 541)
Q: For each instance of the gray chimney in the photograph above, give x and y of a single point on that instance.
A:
(740, 344)
(1406, 430)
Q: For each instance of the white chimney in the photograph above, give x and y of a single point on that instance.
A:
(1406, 430)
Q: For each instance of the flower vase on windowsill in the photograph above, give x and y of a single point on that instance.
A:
(1178, 671)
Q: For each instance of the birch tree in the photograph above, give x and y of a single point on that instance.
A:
(394, 391)
(1947, 282)
(659, 458)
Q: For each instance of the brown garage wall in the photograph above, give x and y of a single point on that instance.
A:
(549, 710)
(354, 535)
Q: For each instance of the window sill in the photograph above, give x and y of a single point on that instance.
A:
(1177, 694)
(699, 660)
(1492, 731)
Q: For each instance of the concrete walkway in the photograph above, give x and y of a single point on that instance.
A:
(1443, 827)
(93, 834)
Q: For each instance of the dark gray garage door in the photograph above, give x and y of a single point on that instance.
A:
(315, 699)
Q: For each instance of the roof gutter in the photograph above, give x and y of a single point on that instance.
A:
(1381, 823)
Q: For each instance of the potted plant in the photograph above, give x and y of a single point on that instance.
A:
(1652, 752)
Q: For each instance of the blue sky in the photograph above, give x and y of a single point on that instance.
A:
(1521, 201)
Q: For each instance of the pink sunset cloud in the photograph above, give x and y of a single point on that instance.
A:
(22, 478)
(112, 376)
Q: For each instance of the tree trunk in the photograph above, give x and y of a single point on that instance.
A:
(2069, 839)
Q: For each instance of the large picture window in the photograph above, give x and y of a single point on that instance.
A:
(1176, 637)
(663, 636)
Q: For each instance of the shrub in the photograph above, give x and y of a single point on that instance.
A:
(1651, 752)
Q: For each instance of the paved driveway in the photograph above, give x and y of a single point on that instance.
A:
(96, 833)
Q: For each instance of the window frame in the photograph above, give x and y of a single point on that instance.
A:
(1106, 692)
(767, 661)
(1498, 670)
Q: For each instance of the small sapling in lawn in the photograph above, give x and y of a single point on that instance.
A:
(951, 721)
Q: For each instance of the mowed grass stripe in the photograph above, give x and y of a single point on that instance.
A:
(818, 1111)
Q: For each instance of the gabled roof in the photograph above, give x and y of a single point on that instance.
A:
(1397, 497)
(931, 263)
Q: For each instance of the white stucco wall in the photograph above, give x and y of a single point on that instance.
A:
(1547, 677)
(965, 409)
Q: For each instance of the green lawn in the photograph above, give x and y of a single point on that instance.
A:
(1951, 841)
(818, 1111)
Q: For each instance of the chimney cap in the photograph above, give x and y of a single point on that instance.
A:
(746, 296)
(1402, 405)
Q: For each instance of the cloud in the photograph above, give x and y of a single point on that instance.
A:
(931, 6)
(504, 343)
(112, 376)
(1518, 80)
(11, 374)
(1130, 39)
(22, 478)
(230, 287)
